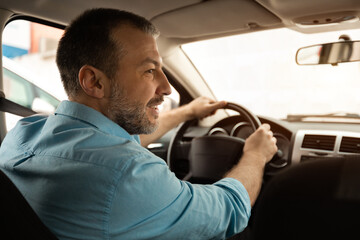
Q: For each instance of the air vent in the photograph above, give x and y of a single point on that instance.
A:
(320, 142)
(350, 145)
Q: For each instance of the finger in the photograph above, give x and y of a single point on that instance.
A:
(209, 100)
(205, 100)
(270, 133)
(217, 105)
(212, 108)
(265, 126)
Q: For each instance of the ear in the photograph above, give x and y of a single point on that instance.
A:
(92, 81)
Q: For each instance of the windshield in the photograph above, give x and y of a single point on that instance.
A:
(258, 70)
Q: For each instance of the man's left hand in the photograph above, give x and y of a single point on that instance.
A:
(202, 107)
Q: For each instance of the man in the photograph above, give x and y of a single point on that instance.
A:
(83, 170)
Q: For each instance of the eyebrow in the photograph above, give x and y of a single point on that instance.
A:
(150, 60)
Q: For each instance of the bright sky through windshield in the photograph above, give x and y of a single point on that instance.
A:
(259, 71)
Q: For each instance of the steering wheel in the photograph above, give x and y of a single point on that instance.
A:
(207, 158)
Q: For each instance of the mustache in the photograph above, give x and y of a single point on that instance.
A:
(155, 101)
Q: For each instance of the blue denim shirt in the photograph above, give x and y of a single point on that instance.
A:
(87, 178)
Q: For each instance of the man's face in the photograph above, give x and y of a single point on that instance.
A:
(139, 85)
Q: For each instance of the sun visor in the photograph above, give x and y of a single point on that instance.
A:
(306, 15)
(296, 10)
(214, 17)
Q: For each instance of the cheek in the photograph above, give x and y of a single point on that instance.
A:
(139, 90)
(144, 94)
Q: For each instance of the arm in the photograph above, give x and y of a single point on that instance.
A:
(258, 150)
(164, 207)
(199, 108)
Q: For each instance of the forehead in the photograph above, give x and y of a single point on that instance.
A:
(136, 43)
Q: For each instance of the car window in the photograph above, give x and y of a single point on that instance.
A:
(17, 89)
(258, 70)
(29, 50)
(46, 97)
(30, 74)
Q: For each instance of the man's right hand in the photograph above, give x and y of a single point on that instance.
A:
(259, 148)
(261, 143)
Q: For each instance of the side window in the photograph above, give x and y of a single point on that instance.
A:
(30, 74)
(46, 97)
(17, 89)
(171, 101)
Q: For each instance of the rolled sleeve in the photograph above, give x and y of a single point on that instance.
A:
(239, 199)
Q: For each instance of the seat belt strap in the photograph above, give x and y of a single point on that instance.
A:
(14, 108)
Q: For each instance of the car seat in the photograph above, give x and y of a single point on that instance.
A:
(18, 219)
(318, 199)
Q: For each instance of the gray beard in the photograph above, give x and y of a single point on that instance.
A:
(128, 114)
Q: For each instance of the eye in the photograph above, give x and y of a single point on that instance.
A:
(151, 71)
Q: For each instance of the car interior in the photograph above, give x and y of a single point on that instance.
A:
(292, 64)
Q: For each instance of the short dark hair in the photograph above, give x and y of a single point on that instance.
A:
(87, 41)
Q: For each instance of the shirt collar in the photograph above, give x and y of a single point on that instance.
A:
(93, 117)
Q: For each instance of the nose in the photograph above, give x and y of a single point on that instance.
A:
(164, 86)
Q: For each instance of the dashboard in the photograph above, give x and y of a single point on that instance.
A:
(297, 141)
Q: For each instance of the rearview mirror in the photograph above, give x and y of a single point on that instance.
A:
(329, 53)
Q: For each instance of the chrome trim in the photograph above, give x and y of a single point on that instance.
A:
(240, 124)
(218, 129)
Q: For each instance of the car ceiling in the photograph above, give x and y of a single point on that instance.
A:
(190, 20)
